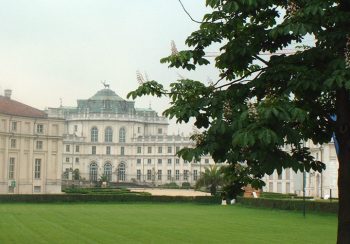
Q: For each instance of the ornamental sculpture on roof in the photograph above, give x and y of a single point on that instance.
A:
(105, 84)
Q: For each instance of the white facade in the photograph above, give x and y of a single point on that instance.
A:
(318, 185)
(30, 150)
(106, 135)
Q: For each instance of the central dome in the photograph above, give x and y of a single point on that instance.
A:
(106, 94)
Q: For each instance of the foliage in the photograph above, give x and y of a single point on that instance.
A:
(258, 105)
(211, 178)
(171, 185)
(76, 174)
(290, 204)
(185, 185)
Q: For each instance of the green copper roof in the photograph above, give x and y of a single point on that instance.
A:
(106, 94)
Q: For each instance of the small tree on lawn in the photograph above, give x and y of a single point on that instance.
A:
(210, 178)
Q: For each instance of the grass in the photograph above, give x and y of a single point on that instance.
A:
(160, 223)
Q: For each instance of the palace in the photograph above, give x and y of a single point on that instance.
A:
(106, 136)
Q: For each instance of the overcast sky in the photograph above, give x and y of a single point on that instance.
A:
(65, 48)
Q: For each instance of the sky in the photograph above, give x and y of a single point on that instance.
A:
(63, 49)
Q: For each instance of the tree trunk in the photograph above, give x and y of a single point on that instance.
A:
(343, 138)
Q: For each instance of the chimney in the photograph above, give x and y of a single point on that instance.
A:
(8, 93)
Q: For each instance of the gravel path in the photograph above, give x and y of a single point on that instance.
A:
(171, 192)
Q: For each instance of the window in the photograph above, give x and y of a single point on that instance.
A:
(138, 174)
(287, 187)
(279, 187)
(93, 172)
(149, 161)
(159, 174)
(37, 189)
(149, 149)
(122, 151)
(160, 131)
(40, 128)
(177, 161)
(108, 150)
(121, 172)
(107, 104)
(149, 174)
(186, 174)
(138, 161)
(93, 150)
(75, 128)
(169, 160)
(122, 135)
(185, 162)
(108, 134)
(271, 187)
(138, 150)
(77, 160)
(107, 171)
(37, 168)
(39, 145)
(170, 150)
(280, 176)
(67, 148)
(195, 174)
(67, 160)
(94, 134)
(12, 169)
(77, 148)
(206, 160)
(177, 149)
(177, 174)
(169, 174)
(160, 149)
(138, 129)
(14, 126)
(13, 143)
(159, 161)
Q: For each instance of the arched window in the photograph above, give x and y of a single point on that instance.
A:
(122, 135)
(108, 134)
(93, 172)
(108, 171)
(94, 134)
(121, 172)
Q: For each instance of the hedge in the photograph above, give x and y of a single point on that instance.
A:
(290, 204)
(50, 198)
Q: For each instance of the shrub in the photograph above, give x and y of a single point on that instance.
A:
(171, 185)
(290, 204)
(186, 185)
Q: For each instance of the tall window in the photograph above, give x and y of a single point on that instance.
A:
(177, 149)
(77, 148)
(159, 174)
(149, 161)
(159, 161)
(170, 150)
(169, 174)
(169, 160)
(149, 149)
(37, 168)
(138, 150)
(94, 134)
(122, 135)
(121, 172)
(39, 145)
(40, 128)
(93, 172)
(138, 161)
(149, 174)
(75, 128)
(108, 171)
(177, 174)
(13, 143)
(108, 150)
(12, 169)
(122, 151)
(177, 161)
(160, 130)
(93, 150)
(186, 174)
(108, 134)
(195, 174)
(160, 149)
(67, 148)
(14, 126)
(138, 174)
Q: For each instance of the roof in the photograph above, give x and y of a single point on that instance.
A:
(12, 107)
(106, 94)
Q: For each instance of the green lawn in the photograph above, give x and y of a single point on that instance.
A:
(160, 223)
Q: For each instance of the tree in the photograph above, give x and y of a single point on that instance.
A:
(235, 177)
(211, 178)
(258, 105)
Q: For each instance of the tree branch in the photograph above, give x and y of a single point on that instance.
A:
(183, 7)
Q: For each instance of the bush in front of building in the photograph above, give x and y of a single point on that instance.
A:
(121, 198)
(290, 204)
(277, 195)
(185, 185)
(171, 185)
